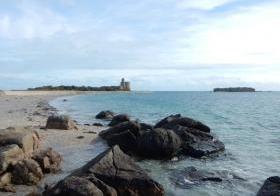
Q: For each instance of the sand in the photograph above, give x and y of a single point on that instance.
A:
(30, 108)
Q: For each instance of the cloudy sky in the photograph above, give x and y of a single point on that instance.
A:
(156, 44)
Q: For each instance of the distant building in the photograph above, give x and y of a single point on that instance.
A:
(125, 86)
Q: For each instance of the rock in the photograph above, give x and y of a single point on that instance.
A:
(159, 144)
(190, 176)
(106, 190)
(124, 134)
(5, 179)
(97, 124)
(146, 127)
(60, 122)
(81, 137)
(203, 148)
(49, 160)
(26, 172)
(119, 119)
(173, 120)
(271, 187)
(119, 171)
(74, 186)
(24, 137)
(105, 115)
(9, 155)
(86, 124)
(64, 100)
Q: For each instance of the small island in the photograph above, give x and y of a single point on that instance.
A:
(235, 89)
(124, 86)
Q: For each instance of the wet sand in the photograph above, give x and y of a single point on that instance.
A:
(27, 108)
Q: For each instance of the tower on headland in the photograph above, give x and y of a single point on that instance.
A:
(124, 86)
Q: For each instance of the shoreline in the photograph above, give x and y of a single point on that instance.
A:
(31, 109)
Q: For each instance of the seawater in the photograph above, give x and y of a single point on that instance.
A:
(247, 123)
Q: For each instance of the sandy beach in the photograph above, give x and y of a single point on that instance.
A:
(27, 108)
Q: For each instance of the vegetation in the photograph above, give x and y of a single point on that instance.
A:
(235, 89)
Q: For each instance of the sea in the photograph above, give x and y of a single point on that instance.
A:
(247, 123)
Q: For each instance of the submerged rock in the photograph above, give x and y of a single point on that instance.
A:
(120, 118)
(60, 122)
(271, 187)
(114, 172)
(105, 115)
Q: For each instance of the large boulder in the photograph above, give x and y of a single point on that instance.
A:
(5, 179)
(60, 122)
(49, 160)
(74, 186)
(24, 137)
(119, 171)
(105, 115)
(120, 118)
(159, 144)
(271, 187)
(173, 120)
(9, 155)
(26, 172)
(124, 134)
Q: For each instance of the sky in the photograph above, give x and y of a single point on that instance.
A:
(155, 44)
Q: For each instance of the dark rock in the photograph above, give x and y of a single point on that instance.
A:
(74, 186)
(105, 115)
(64, 100)
(203, 148)
(119, 119)
(26, 172)
(91, 132)
(271, 187)
(97, 124)
(173, 120)
(106, 190)
(81, 137)
(119, 171)
(49, 160)
(124, 134)
(87, 124)
(159, 144)
(60, 122)
(146, 127)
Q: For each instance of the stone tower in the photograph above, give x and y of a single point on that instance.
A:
(125, 86)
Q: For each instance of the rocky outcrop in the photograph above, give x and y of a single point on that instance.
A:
(18, 149)
(271, 187)
(105, 115)
(120, 118)
(173, 135)
(60, 122)
(111, 173)
(49, 160)
(10, 155)
(24, 137)
(27, 172)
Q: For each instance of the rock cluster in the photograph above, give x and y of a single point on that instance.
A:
(173, 135)
(111, 173)
(105, 115)
(21, 162)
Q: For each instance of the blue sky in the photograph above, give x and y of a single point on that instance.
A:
(156, 44)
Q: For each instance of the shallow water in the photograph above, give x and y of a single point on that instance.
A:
(248, 124)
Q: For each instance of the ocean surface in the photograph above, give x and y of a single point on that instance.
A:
(247, 123)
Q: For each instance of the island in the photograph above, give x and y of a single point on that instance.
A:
(124, 86)
(235, 89)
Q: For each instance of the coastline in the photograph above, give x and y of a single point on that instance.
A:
(28, 108)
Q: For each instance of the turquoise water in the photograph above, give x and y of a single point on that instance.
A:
(248, 124)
